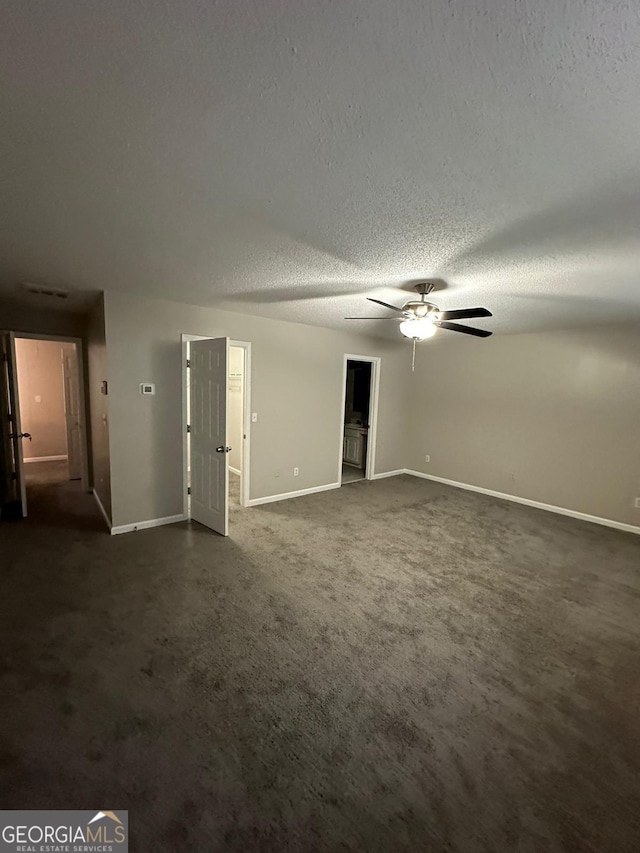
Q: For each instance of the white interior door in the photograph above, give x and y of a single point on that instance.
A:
(11, 407)
(208, 421)
(72, 410)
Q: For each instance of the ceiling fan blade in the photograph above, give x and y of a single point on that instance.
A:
(395, 319)
(386, 305)
(466, 330)
(462, 313)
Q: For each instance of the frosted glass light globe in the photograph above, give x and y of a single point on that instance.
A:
(420, 328)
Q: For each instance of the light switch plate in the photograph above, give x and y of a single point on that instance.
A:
(147, 388)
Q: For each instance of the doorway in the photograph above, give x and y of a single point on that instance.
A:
(359, 418)
(235, 423)
(44, 447)
(216, 418)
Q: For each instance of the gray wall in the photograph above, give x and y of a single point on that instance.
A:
(16, 316)
(296, 388)
(99, 405)
(41, 389)
(552, 417)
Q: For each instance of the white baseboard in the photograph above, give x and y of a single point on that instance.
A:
(101, 508)
(386, 474)
(144, 525)
(582, 516)
(286, 495)
(234, 470)
(45, 459)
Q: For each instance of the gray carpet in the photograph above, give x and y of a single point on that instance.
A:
(393, 666)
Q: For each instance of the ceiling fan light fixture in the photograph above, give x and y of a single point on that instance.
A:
(420, 319)
(419, 328)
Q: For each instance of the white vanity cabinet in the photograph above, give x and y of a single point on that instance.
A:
(354, 449)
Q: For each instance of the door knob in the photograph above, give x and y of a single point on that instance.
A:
(20, 435)
(223, 449)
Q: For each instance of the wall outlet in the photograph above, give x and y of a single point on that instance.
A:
(637, 503)
(427, 458)
(254, 417)
(296, 472)
(512, 477)
(277, 472)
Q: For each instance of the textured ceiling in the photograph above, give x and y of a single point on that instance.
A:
(287, 158)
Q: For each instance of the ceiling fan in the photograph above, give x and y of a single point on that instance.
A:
(420, 319)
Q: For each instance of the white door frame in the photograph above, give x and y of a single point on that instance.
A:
(374, 396)
(246, 415)
(65, 339)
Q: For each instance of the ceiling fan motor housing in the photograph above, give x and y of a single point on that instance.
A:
(420, 309)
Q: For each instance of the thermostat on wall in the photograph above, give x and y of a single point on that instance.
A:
(147, 388)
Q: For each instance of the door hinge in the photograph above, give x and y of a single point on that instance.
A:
(188, 427)
(188, 362)
(188, 490)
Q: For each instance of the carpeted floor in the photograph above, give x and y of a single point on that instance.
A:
(46, 473)
(393, 666)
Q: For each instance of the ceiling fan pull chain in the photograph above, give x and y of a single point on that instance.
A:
(413, 357)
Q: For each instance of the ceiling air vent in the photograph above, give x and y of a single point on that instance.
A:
(45, 290)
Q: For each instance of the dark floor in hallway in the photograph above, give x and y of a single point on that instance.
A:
(396, 666)
(351, 474)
